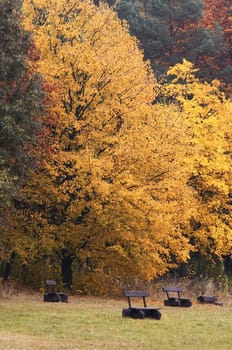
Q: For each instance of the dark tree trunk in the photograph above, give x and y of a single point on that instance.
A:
(66, 270)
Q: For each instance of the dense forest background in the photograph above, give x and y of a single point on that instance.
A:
(115, 142)
(197, 30)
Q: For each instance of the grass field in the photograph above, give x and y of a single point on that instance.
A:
(90, 323)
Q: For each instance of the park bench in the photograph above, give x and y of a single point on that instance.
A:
(140, 312)
(52, 295)
(206, 299)
(175, 300)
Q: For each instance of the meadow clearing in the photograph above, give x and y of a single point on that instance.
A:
(26, 322)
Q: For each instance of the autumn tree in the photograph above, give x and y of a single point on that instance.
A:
(207, 113)
(109, 199)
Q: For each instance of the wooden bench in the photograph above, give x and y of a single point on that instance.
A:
(140, 312)
(52, 295)
(176, 300)
(204, 299)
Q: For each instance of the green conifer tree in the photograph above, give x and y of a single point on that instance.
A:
(20, 100)
(170, 31)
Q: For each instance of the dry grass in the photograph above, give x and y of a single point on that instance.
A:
(93, 323)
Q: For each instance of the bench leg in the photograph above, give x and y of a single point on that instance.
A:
(133, 313)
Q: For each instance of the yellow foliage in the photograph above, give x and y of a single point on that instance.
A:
(128, 180)
(115, 191)
(207, 116)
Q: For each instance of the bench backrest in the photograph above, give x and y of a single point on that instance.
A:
(137, 294)
(50, 286)
(173, 290)
(50, 282)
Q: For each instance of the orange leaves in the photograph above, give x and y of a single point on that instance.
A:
(91, 60)
(116, 171)
(205, 111)
(118, 191)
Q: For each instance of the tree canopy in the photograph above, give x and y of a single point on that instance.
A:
(107, 203)
(207, 114)
(136, 174)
